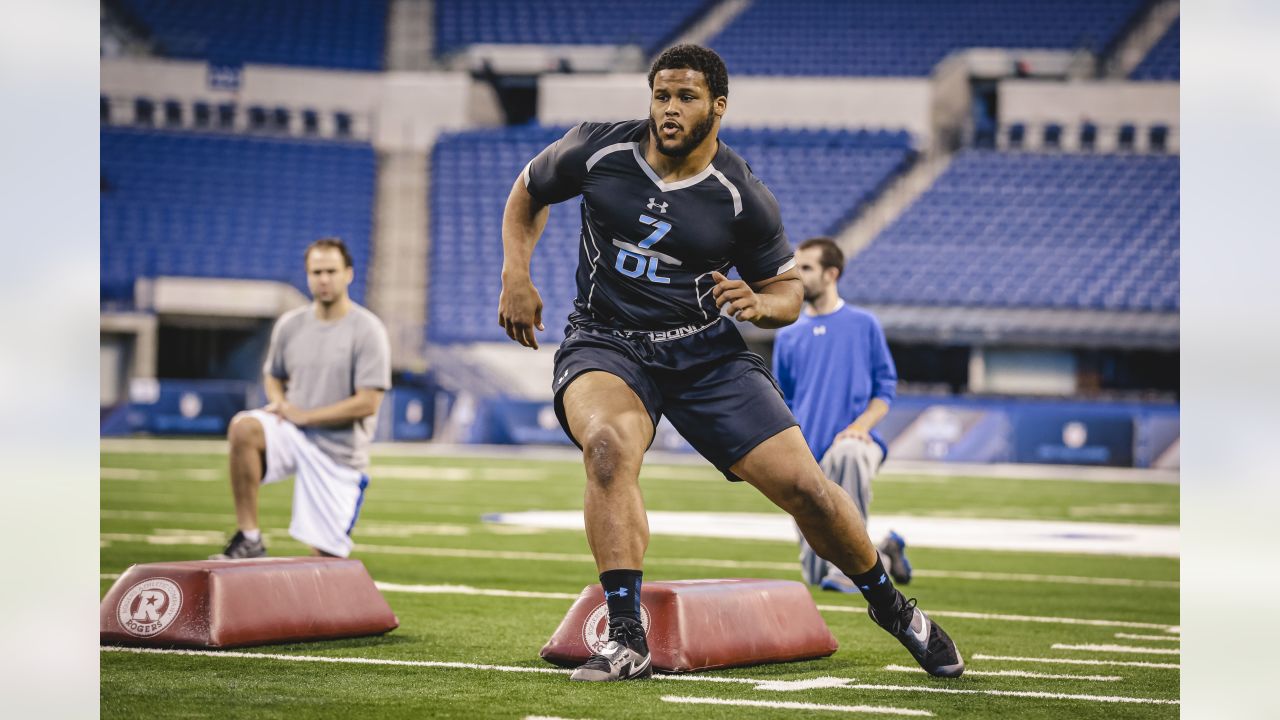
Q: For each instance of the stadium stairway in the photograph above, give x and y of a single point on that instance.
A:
(398, 270)
(410, 36)
(1142, 39)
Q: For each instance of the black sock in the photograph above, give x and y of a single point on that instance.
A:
(622, 593)
(877, 588)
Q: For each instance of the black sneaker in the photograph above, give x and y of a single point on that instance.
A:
(928, 643)
(241, 547)
(625, 657)
(894, 548)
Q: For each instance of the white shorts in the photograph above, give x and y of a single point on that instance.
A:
(326, 495)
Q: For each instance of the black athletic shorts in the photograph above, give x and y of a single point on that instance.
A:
(720, 396)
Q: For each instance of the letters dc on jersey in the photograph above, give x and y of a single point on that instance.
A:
(647, 248)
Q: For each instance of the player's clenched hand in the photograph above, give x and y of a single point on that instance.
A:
(520, 311)
(288, 411)
(736, 297)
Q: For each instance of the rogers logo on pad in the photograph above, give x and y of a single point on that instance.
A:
(595, 631)
(149, 607)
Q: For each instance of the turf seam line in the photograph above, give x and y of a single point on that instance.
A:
(1134, 649)
(1015, 673)
(784, 705)
(1076, 661)
(1016, 618)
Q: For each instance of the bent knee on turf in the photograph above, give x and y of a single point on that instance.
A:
(246, 431)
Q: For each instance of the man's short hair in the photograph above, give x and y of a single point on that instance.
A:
(329, 242)
(694, 57)
(829, 256)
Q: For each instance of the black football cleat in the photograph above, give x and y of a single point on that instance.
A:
(241, 547)
(625, 657)
(927, 642)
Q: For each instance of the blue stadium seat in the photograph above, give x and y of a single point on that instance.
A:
(1032, 230)
(647, 23)
(346, 34)
(821, 178)
(228, 206)
(1163, 62)
(907, 37)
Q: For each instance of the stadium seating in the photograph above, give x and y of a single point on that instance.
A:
(647, 23)
(820, 178)
(1162, 63)
(347, 34)
(906, 37)
(228, 206)
(1032, 230)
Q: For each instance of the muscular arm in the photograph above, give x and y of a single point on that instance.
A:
(770, 303)
(520, 305)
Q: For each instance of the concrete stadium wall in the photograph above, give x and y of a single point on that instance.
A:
(1108, 104)
(394, 110)
(796, 102)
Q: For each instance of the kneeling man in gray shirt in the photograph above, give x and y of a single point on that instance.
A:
(327, 369)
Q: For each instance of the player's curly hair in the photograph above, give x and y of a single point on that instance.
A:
(694, 57)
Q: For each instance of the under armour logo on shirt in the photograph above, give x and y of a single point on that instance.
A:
(655, 205)
(819, 329)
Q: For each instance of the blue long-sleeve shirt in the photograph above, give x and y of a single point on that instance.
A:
(829, 368)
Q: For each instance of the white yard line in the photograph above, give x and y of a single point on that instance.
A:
(778, 705)
(952, 533)
(760, 684)
(1015, 618)
(970, 672)
(1029, 577)
(498, 592)
(393, 529)
(338, 660)
(1073, 661)
(1013, 693)
(152, 475)
(467, 590)
(1161, 638)
(1012, 471)
(1119, 649)
(1029, 471)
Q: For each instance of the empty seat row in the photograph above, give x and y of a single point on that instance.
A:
(347, 34)
(1001, 229)
(228, 206)
(907, 37)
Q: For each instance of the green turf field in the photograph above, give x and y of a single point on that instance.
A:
(421, 525)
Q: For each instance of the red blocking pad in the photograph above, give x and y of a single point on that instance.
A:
(703, 624)
(236, 603)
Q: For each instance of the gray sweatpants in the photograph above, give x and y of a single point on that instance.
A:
(851, 464)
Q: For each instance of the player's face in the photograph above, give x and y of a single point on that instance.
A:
(682, 112)
(327, 275)
(813, 275)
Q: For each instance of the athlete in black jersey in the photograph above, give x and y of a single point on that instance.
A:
(667, 209)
